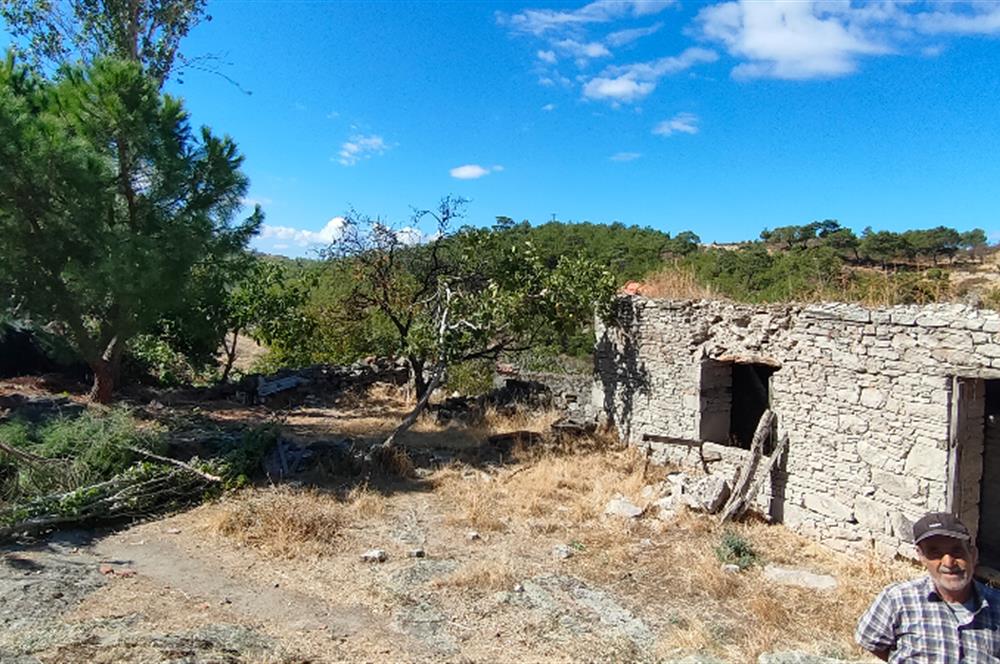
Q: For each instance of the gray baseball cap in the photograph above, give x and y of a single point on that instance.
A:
(940, 523)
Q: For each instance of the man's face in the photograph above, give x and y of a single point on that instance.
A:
(949, 561)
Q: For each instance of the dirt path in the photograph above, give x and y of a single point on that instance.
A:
(159, 560)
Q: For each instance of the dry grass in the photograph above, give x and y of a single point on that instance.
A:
(675, 282)
(735, 616)
(481, 575)
(281, 522)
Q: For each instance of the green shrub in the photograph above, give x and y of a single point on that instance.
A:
(92, 447)
(472, 377)
(734, 549)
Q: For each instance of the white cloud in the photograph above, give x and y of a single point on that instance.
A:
(621, 89)
(360, 147)
(411, 236)
(473, 171)
(285, 235)
(982, 18)
(540, 21)
(547, 56)
(582, 51)
(548, 108)
(791, 40)
(628, 83)
(625, 156)
(623, 37)
(682, 123)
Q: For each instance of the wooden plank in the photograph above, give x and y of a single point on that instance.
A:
(670, 440)
(954, 425)
(765, 474)
(737, 501)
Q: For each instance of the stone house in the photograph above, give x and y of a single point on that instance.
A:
(889, 412)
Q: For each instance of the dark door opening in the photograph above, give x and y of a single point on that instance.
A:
(733, 397)
(751, 397)
(988, 538)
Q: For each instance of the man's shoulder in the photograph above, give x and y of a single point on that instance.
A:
(989, 593)
(919, 587)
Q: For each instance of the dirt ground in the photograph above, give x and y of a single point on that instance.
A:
(519, 563)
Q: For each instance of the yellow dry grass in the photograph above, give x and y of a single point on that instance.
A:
(481, 575)
(675, 282)
(281, 522)
(735, 616)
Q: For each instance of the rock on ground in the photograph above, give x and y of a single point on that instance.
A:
(800, 578)
(708, 494)
(620, 506)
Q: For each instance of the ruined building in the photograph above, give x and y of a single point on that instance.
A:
(889, 412)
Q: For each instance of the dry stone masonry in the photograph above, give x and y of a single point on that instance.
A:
(889, 412)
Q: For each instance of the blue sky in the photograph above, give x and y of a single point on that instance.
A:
(722, 118)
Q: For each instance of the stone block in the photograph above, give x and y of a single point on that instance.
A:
(926, 461)
(799, 578)
(871, 514)
(902, 526)
(896, 484)
(872, 398)
(828, 507)
(708, 494)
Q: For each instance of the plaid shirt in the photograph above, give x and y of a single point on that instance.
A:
(912, 622)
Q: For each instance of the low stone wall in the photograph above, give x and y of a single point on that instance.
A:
(865, 397)
(570, 392)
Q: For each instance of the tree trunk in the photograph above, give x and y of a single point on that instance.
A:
(106, 372)
(417, 374)
(230, 356)
(410, 419)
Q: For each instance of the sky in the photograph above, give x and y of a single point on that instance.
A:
(719, 117)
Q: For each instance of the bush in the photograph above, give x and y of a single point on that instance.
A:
(92, 446)
(734, 549)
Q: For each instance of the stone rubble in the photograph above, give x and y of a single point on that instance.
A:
(374, 556)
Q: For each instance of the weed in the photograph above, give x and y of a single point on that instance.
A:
(734, 549)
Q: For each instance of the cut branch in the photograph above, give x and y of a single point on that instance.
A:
(180, 464)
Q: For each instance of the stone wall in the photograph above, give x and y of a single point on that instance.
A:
(570, 391)
(864, 395)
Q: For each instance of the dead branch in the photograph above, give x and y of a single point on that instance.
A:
(180, 464)
(25, 456)
(738, 501)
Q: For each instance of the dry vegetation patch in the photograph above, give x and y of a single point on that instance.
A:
(282, 522)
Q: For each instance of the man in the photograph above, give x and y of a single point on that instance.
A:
(946, 617)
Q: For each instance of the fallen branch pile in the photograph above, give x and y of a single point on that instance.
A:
(140, 491)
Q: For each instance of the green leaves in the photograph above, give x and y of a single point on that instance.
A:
(112, 216)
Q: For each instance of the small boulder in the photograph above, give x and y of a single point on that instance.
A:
(620, 506)
(730, 568)
(374, 556)
(799, 578)
(473, 536)
(562, 552)
(665, 508)
(708, 494)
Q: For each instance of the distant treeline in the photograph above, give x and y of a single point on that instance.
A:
(819, 260)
